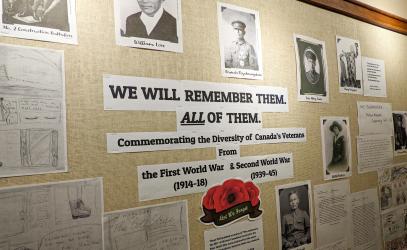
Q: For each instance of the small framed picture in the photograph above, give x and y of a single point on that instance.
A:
(149, 24)
(312, 71)
(349, 65)
(240, 42)
(45, 20)
(294, 216)
(336, 147)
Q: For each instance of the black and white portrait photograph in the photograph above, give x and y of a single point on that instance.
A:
(336, 147)
(240, 42)
(149, 24)
(349, 65)
(294, 215)
(400, 132)
(312, 72)
(47, 20)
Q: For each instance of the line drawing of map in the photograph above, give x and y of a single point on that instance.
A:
(62, 215)
(32, 111)
(163, 226)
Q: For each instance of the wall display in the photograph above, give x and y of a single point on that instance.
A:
(349, 59)
(364, 230)
(154, 141)
(393, 186)
(294, 215)
(149, 24)
(163, 226)
(168, 180)
(374, 77)
(240, 42)
(374, 152)
(45, 20)
(339, 245)
(139, 93)
(399, 130)
(394, 226)
(331, 202)
(375, 118)
(336, 147)
(228, 202)
(242, 235)
(32, 111)
(62, 215)
(312, 69)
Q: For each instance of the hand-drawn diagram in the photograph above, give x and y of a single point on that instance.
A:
(32, 111)
(149, 228)
(40, 217)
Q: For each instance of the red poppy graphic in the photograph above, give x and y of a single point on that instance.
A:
(232, 194)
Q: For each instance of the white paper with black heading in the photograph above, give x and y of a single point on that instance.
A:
(242, 235)
(374, 77)
(154, 141)
(32, 111)
(175, 179)
(163, 226)
(140, 93)
(155, 25)
(375, 118)
(44, 20)
(60, 215)
(240, 42)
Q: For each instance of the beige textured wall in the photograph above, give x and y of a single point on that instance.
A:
(87, 122)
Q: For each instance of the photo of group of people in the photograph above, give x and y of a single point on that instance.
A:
(48, 20)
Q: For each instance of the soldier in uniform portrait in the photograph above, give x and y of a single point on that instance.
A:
(312, 75)
(295, 225)
(240, 54)
(400, 137)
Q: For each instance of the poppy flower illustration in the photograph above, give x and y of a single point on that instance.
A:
(232, 194)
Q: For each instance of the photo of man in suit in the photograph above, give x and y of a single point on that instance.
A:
(152, 22)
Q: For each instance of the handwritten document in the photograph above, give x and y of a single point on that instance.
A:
(64, 215)
(149, 228)
(32, 111)
(365, 220)
(331, 212)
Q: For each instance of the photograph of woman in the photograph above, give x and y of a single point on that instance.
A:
(336, 147)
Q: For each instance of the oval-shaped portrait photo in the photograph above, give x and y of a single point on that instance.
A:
(311, 65)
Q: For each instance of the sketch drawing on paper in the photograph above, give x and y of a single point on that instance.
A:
(158, 227)
(39, 217)
(32, 111)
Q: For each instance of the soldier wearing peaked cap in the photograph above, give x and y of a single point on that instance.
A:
(240, 54)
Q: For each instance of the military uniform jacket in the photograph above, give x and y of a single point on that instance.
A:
(295, 229)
